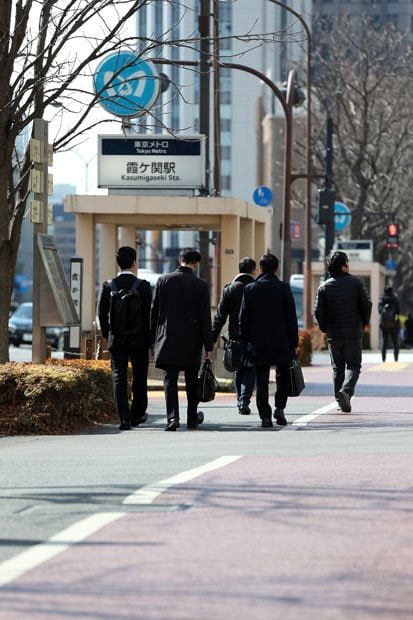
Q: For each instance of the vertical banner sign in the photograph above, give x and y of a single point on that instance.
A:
(76, 272)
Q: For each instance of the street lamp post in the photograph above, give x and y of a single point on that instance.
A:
(308, 175)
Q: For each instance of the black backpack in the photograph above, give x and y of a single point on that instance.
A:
(388, 316)
(125, 313)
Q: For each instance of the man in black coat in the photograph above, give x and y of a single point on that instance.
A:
(229, 307)
(268, 321)
(389, 309)
(180, 327)
(133, 347)
(342, 310)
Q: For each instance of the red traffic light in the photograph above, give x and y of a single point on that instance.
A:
(392, 240)
(392, 229)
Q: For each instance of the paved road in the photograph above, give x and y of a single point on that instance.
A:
(310, 521)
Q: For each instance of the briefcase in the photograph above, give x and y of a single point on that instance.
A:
(295, 379)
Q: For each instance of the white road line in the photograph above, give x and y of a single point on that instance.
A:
(32, 558)
(305, 419)
(148, 493)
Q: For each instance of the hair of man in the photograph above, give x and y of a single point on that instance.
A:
(189, 256)
(269, 263)
(335, 262)
(247, 265)
(125, 257)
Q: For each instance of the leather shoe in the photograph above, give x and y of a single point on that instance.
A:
(244, 409)
(139, 420)
(280, 417)
(172, 425)
(200, 418)
(344, 401)
(124, 425)
(266, 423)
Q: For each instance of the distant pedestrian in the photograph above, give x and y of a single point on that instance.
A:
(228, 308)
(389, 310)
(408, 331)
(127, 341)
(268, 321)
(342, 310)
(180, 328)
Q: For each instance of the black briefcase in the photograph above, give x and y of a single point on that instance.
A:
(295, 379)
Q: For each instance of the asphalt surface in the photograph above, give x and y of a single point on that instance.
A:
(312, 520)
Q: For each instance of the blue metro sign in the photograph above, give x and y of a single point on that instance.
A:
(126, 84)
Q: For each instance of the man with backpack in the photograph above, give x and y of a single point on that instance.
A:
(228, 308)
(389, 309)
(124, 313)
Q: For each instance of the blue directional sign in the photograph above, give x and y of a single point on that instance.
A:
(262, 196)
(126, 84)
(342, 216)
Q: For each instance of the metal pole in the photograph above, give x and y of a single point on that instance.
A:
(286, 237)
(308, 318)
(40, 132)
(329, 230)
(204, 113)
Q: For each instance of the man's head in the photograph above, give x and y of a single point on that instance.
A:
(269, 263)
(188, 257)
(336, 262)
(126, 257)
(388, 290)
(247, 265)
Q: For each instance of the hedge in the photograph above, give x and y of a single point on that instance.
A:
(63, 396)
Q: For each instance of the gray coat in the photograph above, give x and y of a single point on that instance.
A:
(268, 320)
(181, 319)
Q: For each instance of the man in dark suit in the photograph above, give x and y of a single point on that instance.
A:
(133, 347)
(268, 321)
(180, 327)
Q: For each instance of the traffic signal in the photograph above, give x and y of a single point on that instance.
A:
(326, 199)
(392, 240)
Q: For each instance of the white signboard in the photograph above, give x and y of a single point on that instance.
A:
(357, 250)
(149, 161)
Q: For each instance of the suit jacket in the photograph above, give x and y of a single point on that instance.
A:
(181, 319)
(124, 281)
(230, 305)
(268, 320)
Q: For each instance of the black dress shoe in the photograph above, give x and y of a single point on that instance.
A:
(266, 422)
(124, 425)
(194, 424)
(280, 417)
(172, 425)
(139, 420)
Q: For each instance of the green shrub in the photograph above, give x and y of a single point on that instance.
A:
(62, 396)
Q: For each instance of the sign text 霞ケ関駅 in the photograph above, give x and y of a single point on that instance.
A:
(151, 161)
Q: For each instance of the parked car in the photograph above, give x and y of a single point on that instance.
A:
(20, 328)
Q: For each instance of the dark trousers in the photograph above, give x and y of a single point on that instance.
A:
(170, 386)
(119, 360)
(345, 358)
(244, 379)
(394, 335)
(281, 395)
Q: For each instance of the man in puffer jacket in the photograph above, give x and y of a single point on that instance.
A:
(229, 307)
(342, 310)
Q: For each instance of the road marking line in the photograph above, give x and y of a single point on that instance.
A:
(38, 554)
(305, 419)
(146, 494)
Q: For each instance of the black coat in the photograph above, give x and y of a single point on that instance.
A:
(342, 307)
(181, 319)
(392, 300)
(268, 320)
(125, 281)
(230, 305)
